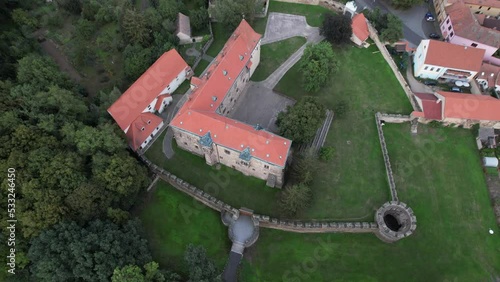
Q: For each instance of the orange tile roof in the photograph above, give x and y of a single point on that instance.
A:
(146, 88)
(485, 3)
(432, 108)
(490, 73)
(198, 115)
(136, 135)
(465, 25)
(360, 27)
(160, 100)
(470, 106)
(449, 55)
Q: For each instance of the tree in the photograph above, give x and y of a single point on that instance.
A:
(137, 60)
(72, 6)
(199, 18)
(231, 12)
(376, 18)
(40, 72)
(337, 29)
(326, 153)
(69, 252)
(200, 267)
(169, 9)
(135, 28)
(394, 30)
(300, 122)
(317, 64)
(304, 166)
(133, 273)
(294, 199)
(405, 4)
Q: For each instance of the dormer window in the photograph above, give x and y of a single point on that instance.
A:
(149, 121)
(142, 129)
(224, 72)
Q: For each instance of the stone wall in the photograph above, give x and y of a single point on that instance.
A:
(315, 226)
(309, 2)
(395, 118)
(385, 153)
(333, 5)
(392, 64)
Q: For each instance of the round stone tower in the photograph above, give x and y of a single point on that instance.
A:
(395, 221)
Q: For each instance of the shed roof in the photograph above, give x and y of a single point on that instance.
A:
(183, 24)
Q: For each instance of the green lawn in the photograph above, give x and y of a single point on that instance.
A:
(446, 189)
(182, 88)
(226, 184)
(313, 14)
(274, 54)
(353, 184)
(201, 67)
(221, 34)
(173, 220)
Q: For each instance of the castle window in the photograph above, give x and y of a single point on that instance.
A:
(449, 28)
(426, 68)
(227, 152)
(244, 163)
(266, 166)
(196, 146)
(473, 45)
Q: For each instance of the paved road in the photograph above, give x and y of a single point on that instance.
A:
(415, 27)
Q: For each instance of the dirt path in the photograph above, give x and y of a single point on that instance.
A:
(53, 50)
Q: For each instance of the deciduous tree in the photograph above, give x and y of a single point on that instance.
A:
(199, 18)
(317, 65)
(231, 12)
(301, 121)
(294, 199)
(200, 267)
(394, 30)
(405, 4)
(336, 28)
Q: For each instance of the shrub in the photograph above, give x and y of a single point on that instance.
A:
(326, 153)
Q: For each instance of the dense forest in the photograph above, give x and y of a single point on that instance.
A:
(75, 180)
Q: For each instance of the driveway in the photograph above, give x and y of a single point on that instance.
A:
(260, 105)
(415, 27)
(282, 26)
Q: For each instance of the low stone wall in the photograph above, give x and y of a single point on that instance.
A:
(385, 153)
(395, 118)
(392, 64)
(332, 5)
(309, 2)
(316, 226)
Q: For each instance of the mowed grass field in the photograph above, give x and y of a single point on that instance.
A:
(226, 184)
(274, 54)
(173, 220)
(353, 184)
(438, 174)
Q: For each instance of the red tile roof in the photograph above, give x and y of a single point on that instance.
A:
(136, 135)
(198, 114)
(146, 88)
(360, 27)
(160, 100)
(465, 25)
(430, 106)
(449, 55)
(470, 106)
(490, 73)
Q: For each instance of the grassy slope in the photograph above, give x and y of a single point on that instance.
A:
(173, 220)
(353, 184)
(227, 184)
(448, 194)
(274, 54)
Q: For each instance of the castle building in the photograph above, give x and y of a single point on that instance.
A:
(201, 125)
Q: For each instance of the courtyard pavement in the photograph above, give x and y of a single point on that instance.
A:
(259, 104)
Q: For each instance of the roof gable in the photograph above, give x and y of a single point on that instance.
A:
(146, 88)
(360, 27)
(449, 55)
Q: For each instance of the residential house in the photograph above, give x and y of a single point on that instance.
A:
(135, 110)
(360, 32)
(462, 28)
(441, 60)
(183, 31)
(489, 77)
(458, 108)
(487, 7)
(202, 127)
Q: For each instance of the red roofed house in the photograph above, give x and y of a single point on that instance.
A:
(201, 126)
(441, 60)
(489, 77)
(359, 30)
(150, 93)
(458, 108)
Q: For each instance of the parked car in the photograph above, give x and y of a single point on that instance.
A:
(456, 89)
(429, 17)
(434, 35)
(430, 82)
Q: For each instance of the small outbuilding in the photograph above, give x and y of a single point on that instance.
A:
(490, 162)
(183, 31)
